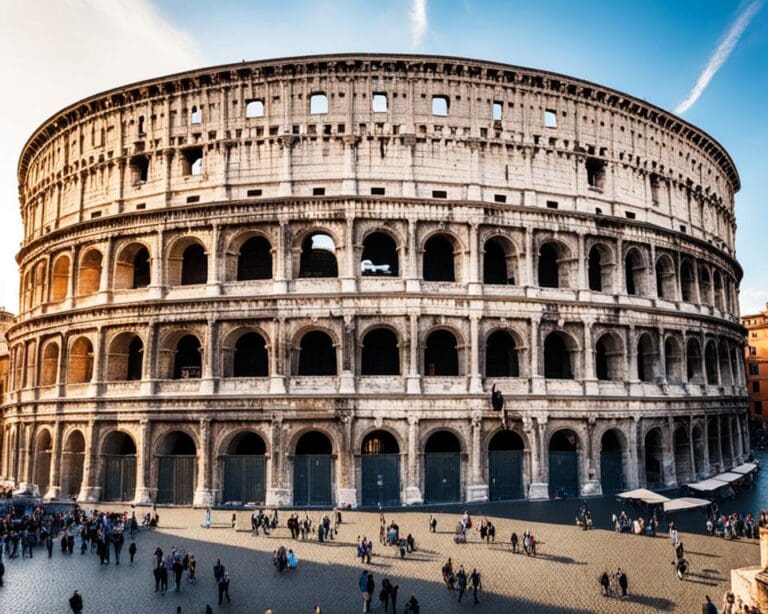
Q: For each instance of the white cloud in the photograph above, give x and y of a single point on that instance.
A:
(418, 19)
(56, 53)
(752, 300)
(719, 56)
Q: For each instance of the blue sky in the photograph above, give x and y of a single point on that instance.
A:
(653, 50)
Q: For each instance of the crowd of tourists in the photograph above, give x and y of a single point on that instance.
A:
(459, 581)
(637, 526)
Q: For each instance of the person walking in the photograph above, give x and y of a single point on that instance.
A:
(117, 543)
(224, 588)
(708, 607)
(132, 551)
(461, 581)
(514, 543)
(362, 583)
(163, 569)
(192, 569)
(218, 570)
(76, 603)
(384, 594)
(2, 570)
(623, 583)
(370, 588)
(178, 569)
(393, 588)
(49, 545)
(475, 583)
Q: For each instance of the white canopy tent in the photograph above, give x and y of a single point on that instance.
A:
(745, 468)
(709, 485)
(644, 495)
(728, 477)
(685, 503)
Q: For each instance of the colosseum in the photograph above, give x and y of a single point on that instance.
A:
(296, 282)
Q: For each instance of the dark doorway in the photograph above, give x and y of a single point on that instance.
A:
(312, 471)
(495, 264)
(187, 362)
(141, 272)
(194, 265)
(119, 457)
(549, 267)
(318, 257)
(380, 354)
(244, 469)
(442, 468)
(177, 469)
(251, 356)
(501, 355)
(564, 464)
(380, 468)
(505, 466)
(595, 269)
(317, 356)
(379, 256)
(557, 358)
(611, 463)
(654, 457)
(439, 259)
(441, 356)
(134, 362)
(255, 260)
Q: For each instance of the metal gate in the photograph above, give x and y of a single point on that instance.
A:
(176, 479)
(119, 477)
(244, 478)
(312, 480)
(442, 477)
(72, 470)
(505, 474)
(563, 473)
(611, 471)
(381, 479)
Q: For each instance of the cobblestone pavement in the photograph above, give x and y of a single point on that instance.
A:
(562, 578)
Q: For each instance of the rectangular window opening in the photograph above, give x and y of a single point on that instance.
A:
(318, 104)
(550, 118)
(439, 194)
(552, 204)
(498, 111)
(318, 191)
(379, 103)
(440, 106)
(499, 198)
(253, 193)
(630, 215)
(193, 199)
(378, 191)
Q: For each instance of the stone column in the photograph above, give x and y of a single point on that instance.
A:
(537, 379)
(156, 289)
(347, 377)
(632, 355)
(205, 496)
(285, 185)
(349, 177)
(413, 381)
(89, 492)
(693, 472)
(581, 271)
(633, 454)
(278, 494)
(475, 378)
(412, 281)
(474, 286)
(720, 463)
(409, 144)
(105, 280)
(590, 376)
(473, 189)
(209, 380)
(349, 280)
(143, 494)
(590, 474)
(539, 488)
(529, 277)
(477, 490)
(54, 480)
(413, 494)
(662, 374)
(668, 460)
(213, 285)
(706, 469)
(29, 450)
(277, 369)
(279, 253)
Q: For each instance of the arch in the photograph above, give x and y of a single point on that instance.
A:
(693, 361)
(558, 348)
(72, 460)
(89, 273)
(442, 468)
(318, 256)
(318, 103)
(499, 262)
(380, 353)
(254, 108)
(118, 452)
(49, 369)
(132, 267)
(666, 280)
(698, 451)
(125, 357)
(177, 468)
(254, 259)
(711, 362)
(439, 260)
(563, 447)
(244, 468)
(609, 357)
(505, 466)
(441, 354)
(705, 285)
(501, 355)
(673, 357)
(646, 358)
(719, 291)
(317, 354)
(313, 470)
(553, 265)
(187, 262)
(600, 268)
(687, 281)
(250, 357)
(80, 363)
(43, 457)
(654, 458)
(379, 256)
(380, 469)
(60, 278)
(187, 359)
(723, 352)
(634, 272)
(613, 447)
(682, 446)
(40, 281)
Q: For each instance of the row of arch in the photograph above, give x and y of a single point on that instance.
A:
(250, 256)
(245, 352)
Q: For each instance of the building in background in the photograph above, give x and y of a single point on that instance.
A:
(756, 357)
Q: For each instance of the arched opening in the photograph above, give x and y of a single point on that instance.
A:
(380, 353)
(72, 458)
(317, 356)
(698, 452)
(194, 265)
(313, 471)
(244, 469)
(318, 256)
(654, 459)
(40, 281)
(501, 358)
(666, 283)
(379, 256)
(557, 356)
(505, 466)
(646, 359)
(634, 272)
(60, 281)
(609, 358)
(132, 269)
(710, 362)
(188, 359)
(611, 462)
(442, 468)
(125, 359)
(89, 274)
(682, 444)
(80, 364)
(552, 266)
(726, 441)
(119, 458)
(726, 378)
(564, 464)
(49, 369)
(673, 356)
(438, 260)
(254, 108)
(251, 358)
(254, 260)
(380, 469)
(693, 362)
(441, 354)
(499, 262)
(687, 282)
(43, 450)
(705, 285)
(177, 469)
(599, 268)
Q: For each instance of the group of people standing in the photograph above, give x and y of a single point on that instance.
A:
(459, 581)
(387, 594)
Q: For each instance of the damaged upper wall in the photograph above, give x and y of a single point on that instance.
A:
(410, 126)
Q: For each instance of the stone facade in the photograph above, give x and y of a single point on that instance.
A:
(341, 255)
(756, 357)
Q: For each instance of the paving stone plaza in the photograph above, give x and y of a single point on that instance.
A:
(562, 578)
